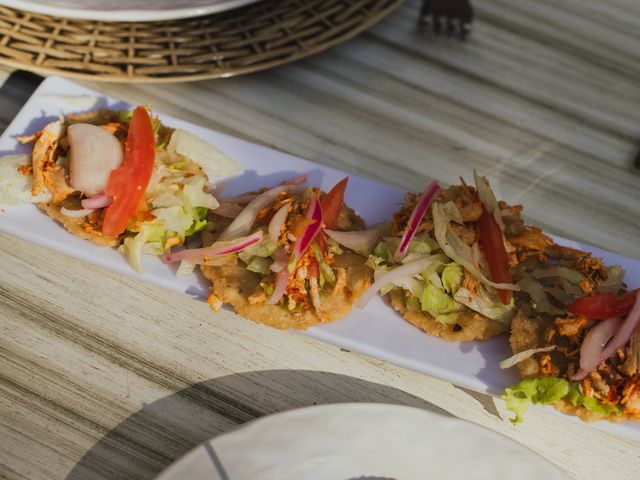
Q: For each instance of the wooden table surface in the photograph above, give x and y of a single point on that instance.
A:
(106, 377)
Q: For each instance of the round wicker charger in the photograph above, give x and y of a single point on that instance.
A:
(256, 37)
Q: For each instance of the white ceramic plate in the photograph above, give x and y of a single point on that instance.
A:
(376, 331)
(354, 441)
(126, 10)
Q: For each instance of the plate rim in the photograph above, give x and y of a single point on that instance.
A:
(344, 408)
(128, 15)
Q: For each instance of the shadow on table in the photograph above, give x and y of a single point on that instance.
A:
(152, 438)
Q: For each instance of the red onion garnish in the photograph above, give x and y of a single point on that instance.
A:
(314, 212)
(361, 242)
(277, 221)
(593, 346)
(98, 201)
(417, 215)
(279, 265)
(624, 333)
(215, 250)
(280, 286)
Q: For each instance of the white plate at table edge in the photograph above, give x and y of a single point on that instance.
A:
(153, 13)
(360, 440)
(385, 336)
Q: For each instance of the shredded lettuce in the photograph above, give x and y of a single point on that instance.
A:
(259, 265)
(535, 290)
(452, 276)
(15, 186)
(594, 405)
(614, 281)
(454, 246)
(376, 263)
(547, 391)
(326, 272)
(486, 303)
(537, 391)
(214, 163)
(488, 199)
(153, 235)
(436, 301)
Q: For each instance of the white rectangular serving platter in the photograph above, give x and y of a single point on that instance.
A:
(376, 331)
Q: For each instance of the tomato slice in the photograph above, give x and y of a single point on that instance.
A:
(492, 244)
(604, 306)
(128, 182)
(332, 204)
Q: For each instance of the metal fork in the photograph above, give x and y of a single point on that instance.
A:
(450, 17)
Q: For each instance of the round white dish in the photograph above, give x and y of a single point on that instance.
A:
(360, 442)
(126, 10)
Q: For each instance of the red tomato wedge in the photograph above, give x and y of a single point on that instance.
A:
(128, 182)
(492, 244)
(331, 206)
(604, 306)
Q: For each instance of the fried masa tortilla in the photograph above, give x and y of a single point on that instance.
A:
(78, 226)
(469, 326)
(233, 284)
(530, 332)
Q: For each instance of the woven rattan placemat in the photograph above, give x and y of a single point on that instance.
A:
(256, 37)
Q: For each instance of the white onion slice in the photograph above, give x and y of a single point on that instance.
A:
(593, 346)
(76, 213)
(98, 201)
(361, 242)
(277, 221)
(215, 250)
(244, 221)
(413, 268)
(518, 357)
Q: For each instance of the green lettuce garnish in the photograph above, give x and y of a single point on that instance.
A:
(537, 391)
(486, 303)
(549, 390)
(436, 301)
(259, 265)
(452, 276)
(594, 405)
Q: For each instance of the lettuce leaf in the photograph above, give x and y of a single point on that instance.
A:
(453, 245)
(15, 186)
(537, 391)
(153, 234)
(486, 303)
(436, 301)
(592, 404)
(452, 276)
(214, 163)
